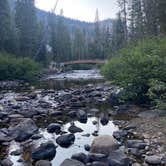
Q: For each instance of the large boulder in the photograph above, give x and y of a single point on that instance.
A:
(44, 151)
(65, 140)
(54, 127)
(104, 144)
(24, 130)
(119, 158)
(71, 162)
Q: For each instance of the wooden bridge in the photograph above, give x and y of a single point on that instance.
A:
(97, 61)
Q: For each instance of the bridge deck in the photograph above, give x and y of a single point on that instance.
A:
(85, 62)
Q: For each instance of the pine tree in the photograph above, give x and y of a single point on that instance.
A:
(161, 8)
(118, 34)
(106, 42)
(60, 39)
(137, 18)
(5, 25)
(41, 55)
(123, 13)
(79, 45)
(151, 21)
(26, 23)
(97, 45)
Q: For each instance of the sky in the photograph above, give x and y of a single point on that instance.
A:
(82, 9)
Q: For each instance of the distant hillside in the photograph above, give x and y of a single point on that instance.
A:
(70, 23)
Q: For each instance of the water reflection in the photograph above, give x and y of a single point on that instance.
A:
(77, 147)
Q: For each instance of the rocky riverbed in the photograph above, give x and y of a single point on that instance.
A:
(83, 126)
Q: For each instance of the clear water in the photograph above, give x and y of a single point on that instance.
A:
(78, 146)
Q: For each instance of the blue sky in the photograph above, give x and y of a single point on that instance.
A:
(82, 9)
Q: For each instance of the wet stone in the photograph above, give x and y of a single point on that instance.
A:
(153, 160)
(6, 162)
(65, 140)
(54, 127)
(80, 157)
(44, 151)
(71, 162)
(43, 163)
(74, 129)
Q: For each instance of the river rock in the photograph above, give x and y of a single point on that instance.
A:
(104, 119)
(96, 157)
(74, 129)
(82, 116)
(65, 140)
(118, 158)
(98, 163)
(87, 147)
(24, 130)
(43, 163)
(44, 151)
(153, 160)
(71, 162)
(80, 157)
(6, 162)
(4, 137)
(139, 144)
(104, 144)
(16, 152)
(3, 115)
(54, 127)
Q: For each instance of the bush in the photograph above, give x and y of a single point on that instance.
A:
(137, 66)
(12, 68)
(157, 93)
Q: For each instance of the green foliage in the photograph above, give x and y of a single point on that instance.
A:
(18, 68)
(136, 66)
(157, 93)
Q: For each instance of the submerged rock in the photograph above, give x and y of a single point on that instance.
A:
(65, 140)
(44, 151)
(24, 130)
(104, 144)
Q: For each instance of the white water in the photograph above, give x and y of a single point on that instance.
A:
(77, 75)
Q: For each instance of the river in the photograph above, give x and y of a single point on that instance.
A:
(57, 99)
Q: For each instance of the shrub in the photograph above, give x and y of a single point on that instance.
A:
(18, 68)
(136, 66)
(157, 93)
